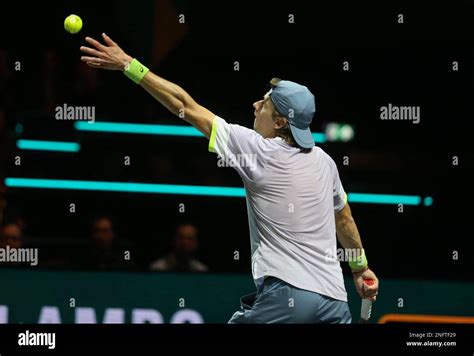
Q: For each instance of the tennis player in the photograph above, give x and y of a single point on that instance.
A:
(295, 200)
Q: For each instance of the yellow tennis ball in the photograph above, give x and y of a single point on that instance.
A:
(73, 24)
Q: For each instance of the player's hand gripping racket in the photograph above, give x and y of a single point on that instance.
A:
(366, 306)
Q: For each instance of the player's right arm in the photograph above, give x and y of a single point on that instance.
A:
(348, 236)
(346, 229)
(170, 95)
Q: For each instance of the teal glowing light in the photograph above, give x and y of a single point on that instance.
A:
(383, 199)
(150, 188)
(151, 129)
(39, 145)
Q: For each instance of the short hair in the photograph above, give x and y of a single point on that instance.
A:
(284, 132)
(274, 82)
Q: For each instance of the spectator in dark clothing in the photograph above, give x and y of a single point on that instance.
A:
(180, 259)
(11, 238)
(105, 252)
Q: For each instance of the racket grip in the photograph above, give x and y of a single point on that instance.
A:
(366, 306)
(366, 309)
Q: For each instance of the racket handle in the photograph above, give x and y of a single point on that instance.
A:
(366, 306)
(365, 309)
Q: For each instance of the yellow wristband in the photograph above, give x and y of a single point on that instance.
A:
(360, 262)
(135, 71)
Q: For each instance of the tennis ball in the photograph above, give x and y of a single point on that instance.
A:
(73, 24)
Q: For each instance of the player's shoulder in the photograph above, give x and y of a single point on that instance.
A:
(221, 122)
(323, 155)
(239, 132)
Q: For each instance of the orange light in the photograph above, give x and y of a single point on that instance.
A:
(420, 318)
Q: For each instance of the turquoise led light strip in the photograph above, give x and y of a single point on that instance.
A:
(185, 190)
(319, 137)
(145, 129)
(124, 187)
(149, 129)
(383, 199)
(40, 145)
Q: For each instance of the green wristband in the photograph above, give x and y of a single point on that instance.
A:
(359, 262)
(135, 71)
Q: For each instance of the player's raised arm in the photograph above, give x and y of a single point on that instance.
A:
(170, 95)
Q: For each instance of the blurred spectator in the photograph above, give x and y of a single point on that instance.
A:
(103, 232)
(180, 259)
(104, 252)
(11, 235)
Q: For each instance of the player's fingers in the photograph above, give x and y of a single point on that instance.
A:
(92, 51)
(370, 293)
(93, 60)
(94, 65)
(108, 40)
(371, 288)
(95, 43)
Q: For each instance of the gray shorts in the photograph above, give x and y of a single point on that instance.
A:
(279, 302)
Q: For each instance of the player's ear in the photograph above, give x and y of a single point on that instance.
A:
(279, 122)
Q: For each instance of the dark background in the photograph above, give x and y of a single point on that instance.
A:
(403, 64)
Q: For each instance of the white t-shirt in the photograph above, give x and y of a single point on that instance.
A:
(291, 200)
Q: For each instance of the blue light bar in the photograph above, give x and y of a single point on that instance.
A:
(151, 129)
(145, 129)
(184, 190)
(383, 199)
(319, 137)
(57, 146)
(124, 187)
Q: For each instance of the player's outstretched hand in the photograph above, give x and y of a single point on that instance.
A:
(366, 291)
(110, 57)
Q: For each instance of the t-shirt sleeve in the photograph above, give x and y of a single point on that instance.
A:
(237, 147)
(340, 196)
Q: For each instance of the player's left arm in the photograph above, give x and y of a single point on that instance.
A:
(170, 95)
(179, 102)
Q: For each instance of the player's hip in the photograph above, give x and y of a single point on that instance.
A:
(277, 301)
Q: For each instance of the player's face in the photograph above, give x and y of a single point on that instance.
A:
(264, 123)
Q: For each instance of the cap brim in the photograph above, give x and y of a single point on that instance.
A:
(304, 138)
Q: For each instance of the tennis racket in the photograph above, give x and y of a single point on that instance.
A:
(366, 306)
